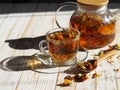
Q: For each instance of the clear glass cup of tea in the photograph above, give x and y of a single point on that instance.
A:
(60, 47)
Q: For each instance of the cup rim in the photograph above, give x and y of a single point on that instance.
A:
(62, 29)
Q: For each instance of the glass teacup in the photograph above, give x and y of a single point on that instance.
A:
(61, 47)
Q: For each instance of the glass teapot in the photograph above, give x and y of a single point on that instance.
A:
(94, 21)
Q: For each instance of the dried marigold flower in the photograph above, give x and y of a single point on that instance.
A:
(79, 78)
(67, 82)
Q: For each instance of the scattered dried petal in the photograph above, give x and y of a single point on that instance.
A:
(90, 66)
(101, 53)
(116, 70)
(117, 46)
(66, 82)
(69, 77)
(110, 62)
(81, 66)
(118, 57)
(95, 75)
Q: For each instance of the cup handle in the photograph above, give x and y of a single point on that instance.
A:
(44, 57)
(43, 48)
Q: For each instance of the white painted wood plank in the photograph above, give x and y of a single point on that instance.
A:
(15, 31)
(33, 24)
(13, 20)
(15, 28)
(41, 21)
(23, 20)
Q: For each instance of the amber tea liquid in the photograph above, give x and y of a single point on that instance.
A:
(95, 32)
(63, 46)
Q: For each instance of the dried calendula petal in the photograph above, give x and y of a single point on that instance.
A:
(101, 54)
(69, 77)
(118, 57)
(95, 75)
(110, 61)
(117, 46)
(116, 70)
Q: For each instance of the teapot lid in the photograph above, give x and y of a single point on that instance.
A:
(93, 2)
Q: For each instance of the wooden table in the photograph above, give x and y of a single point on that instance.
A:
(22, 27)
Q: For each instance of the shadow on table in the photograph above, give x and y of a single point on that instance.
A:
(25, 43)
(16, 63)
(22, 63)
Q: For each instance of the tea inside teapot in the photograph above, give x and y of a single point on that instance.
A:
(95, 31)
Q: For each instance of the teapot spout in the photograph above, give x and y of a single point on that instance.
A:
(116, 13)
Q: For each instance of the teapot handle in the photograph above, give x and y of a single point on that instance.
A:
(64, 5)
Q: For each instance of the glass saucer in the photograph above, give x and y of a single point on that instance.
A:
(48, 67)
